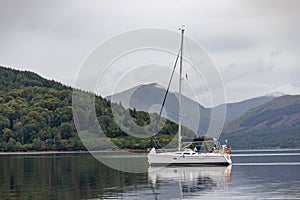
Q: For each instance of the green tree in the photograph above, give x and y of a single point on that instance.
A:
(4, 123)
(7, 134)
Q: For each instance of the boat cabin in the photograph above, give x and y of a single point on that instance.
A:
(202, 145)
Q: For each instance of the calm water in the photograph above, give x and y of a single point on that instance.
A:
(254, 175)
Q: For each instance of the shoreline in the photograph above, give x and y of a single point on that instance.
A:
(67, 152)
(118, 151)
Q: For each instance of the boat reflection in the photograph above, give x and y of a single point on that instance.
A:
(189, 181)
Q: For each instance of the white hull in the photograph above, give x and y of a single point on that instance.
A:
(188, 158)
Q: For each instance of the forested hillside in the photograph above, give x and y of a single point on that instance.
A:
(36, 114)
(14, 79)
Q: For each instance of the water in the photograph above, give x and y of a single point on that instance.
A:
(254, 175)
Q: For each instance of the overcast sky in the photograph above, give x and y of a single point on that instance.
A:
(255, 44)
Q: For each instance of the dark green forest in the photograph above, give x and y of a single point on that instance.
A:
(36, 115)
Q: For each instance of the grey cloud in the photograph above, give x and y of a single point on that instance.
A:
(230, 43)
(248, 40)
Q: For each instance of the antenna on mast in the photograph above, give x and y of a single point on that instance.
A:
(182, 28)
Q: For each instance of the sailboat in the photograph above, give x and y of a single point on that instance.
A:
(210, 152)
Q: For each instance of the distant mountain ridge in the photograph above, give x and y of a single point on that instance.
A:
(270, 121)
(273, 124)
(282, 111)
(142, 97)
(236, 109)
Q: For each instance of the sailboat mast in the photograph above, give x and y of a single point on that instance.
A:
(180, 100)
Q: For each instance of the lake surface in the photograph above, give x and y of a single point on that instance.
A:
(272, 174)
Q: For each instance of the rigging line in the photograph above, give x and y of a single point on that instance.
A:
(201, 81)
(167, 91)
(156, 143)
(153, 139)
(189, 50)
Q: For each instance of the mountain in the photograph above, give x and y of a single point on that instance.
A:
(269, 121)
(236, 109)
(143, 97)
(273, 124)
(36, 114)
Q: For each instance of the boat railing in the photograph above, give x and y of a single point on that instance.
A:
(163, 150)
